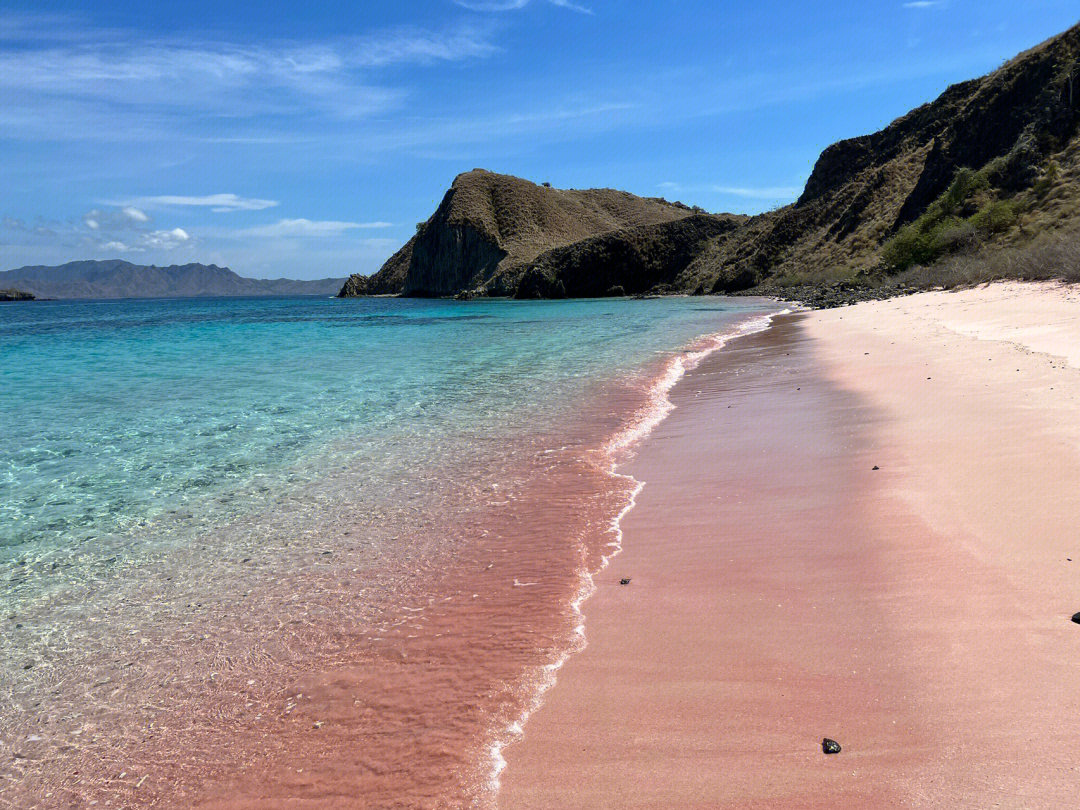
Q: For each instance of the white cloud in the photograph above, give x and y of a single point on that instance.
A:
(164, 240)
(309, 228)
(217, 202)
(753, 193)
(924, 3)
(134, 214)
(765, 193)
(413, 45)
(125, 228)
(125, 217)
(571, 6)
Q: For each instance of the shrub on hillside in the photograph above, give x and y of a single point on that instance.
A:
(947, 227)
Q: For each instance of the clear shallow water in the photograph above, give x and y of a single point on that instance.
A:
(119, 413)
(200, 498)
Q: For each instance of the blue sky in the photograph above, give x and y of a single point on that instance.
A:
(307, 139)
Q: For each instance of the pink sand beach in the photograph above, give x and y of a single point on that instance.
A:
(861, 524)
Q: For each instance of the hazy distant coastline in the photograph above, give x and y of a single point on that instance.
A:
(120, 279)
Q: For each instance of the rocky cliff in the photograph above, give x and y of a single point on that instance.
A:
(646, 259)
(489, 227)
(988, 163)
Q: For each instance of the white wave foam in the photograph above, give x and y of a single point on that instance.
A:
(658, 406)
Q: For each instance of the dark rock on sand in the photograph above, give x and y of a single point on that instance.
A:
(1076, 618)
(624, 581)
(830, 746)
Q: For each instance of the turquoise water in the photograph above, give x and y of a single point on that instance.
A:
(119, 413)
(204, 500)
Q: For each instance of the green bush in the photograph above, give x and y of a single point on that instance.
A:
(962, 188)
(996, 217)
(908, 248)
(941, 229)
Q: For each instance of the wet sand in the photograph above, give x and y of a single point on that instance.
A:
(783, 590)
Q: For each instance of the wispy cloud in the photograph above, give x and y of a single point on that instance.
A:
(309, 228)
(219, 203)
(924, 3)
(764, 193)
(747, 192)
(125, 217)
(571, 6)
(121, 87)
(516, 5)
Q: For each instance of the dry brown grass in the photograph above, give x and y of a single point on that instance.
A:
(1054, 255)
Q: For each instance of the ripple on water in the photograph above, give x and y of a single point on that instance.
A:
(232, 542)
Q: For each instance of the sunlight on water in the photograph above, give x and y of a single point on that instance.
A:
(202, 500)
(121, 413)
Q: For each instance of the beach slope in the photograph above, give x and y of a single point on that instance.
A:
(859, 524)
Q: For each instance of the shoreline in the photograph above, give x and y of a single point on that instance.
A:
(358, 665)
(891, 609)
(617, 450)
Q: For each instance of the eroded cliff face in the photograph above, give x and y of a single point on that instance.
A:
(489, 227)
(646, 259)
(449, 257)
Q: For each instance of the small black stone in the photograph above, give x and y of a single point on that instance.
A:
(1076, 618)
(624, 581)
(830, 746)
(876, 467)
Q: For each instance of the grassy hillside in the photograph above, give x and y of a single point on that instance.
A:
(490, 226)
(990, 168)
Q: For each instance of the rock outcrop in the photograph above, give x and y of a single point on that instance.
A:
(16, 295)
(489, 227)
(1015, 129)
(646, 259)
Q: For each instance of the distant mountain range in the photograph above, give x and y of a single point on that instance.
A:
(120, 279)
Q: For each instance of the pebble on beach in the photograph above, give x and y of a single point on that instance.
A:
(830, 746)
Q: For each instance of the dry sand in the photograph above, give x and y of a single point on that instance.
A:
(783, 590)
